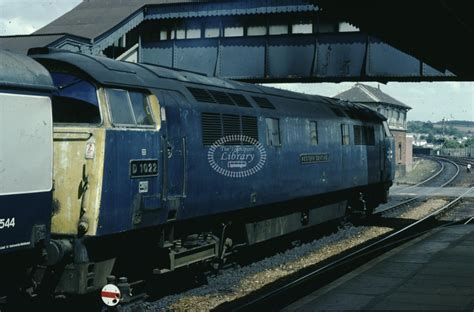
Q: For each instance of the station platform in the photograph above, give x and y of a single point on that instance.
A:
(432, 272)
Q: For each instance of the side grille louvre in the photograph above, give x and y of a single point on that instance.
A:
(250, 127)
(211, 128)
(240, 100)
(231, 125)
(201, 95)
(263, 102)
(216, 126)
(221, 97)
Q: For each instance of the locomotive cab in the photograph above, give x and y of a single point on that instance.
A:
(388, 156)
(106, 169)
(95, 126)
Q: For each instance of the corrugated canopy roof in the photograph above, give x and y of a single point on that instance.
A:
(361, 93)
(92, 18)
(96, 24)
(21, 44)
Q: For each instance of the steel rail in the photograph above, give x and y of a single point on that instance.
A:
(365, 253)
(426, 180)
(397, 205)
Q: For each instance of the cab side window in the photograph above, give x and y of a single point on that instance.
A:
(313, 132)
(141, 109)
(129, 108)
(273, 131)
(345, 134)
(75, 101)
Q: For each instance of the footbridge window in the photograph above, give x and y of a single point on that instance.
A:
(304, 26)
(256, 30)
(193, 31)
(254, 25)
(278, 29)
(212, 29)
(234, 30)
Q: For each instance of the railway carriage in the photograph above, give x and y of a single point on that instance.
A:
(25, 164)
(158, 169)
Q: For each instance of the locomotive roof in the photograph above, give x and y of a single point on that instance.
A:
(107, 71)
(111, 72)
(21, 72)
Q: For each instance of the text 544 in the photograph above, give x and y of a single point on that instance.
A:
(7, 223)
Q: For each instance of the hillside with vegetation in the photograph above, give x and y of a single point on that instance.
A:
(450, 134)
(464, 126)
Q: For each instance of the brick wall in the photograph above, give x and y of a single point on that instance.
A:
(409, 153)
(403, 151)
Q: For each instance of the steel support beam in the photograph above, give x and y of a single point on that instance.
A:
(309, 57)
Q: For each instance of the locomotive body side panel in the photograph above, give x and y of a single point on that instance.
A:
(208, 190)
(130, 201)
(78, 171)
(25, 169)
(133, 170)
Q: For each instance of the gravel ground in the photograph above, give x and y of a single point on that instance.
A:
(420, 211)
(463, 211)
(238, 282)
(422, 169)
(464, 179)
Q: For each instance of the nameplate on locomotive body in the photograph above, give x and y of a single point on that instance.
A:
(143, 168)
(313, 158)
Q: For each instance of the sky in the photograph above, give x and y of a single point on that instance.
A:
(431, 101)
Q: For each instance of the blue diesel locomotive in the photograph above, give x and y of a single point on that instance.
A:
(157, 169)
(26, 158)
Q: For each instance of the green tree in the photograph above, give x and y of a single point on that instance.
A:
(451, 144)
(469, 142)
(430, 138)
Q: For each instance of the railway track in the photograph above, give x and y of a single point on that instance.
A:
(322, 275)
(433, 176)
(448, 172)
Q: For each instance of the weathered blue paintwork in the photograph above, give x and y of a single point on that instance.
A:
(120, 196)
(32, 211)
(187, 186)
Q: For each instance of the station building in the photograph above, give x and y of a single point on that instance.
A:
(396, 114)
